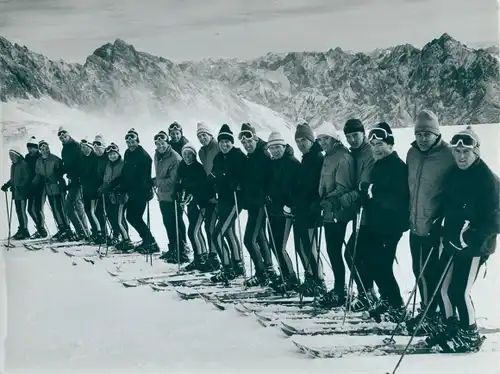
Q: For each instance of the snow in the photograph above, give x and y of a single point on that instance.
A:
(64, 318)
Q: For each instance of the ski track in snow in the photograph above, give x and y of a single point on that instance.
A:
(65, 318)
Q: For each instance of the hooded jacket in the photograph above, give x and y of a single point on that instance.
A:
(20, 179)
(256, 176)
(166, 167)
(49, 174)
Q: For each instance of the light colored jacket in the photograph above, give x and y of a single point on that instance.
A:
(20, 179)
(166, 166)
(49, 172)
(207, 155)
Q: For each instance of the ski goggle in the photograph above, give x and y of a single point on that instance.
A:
(62, 133)
(464, 140)
(174, 126)
(131, 136)
(160, 137)
(378, 134)
(42, 146)
(87, 143)
(112, 148)
(245, 135)
(97, 143)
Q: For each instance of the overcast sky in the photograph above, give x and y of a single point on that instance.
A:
(194, 29)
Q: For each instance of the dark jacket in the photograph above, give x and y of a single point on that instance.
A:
(71, 156)
(193, 181)
(89, 178)
(178, 146)
(306, 206)
(387, 212)
(31, 161)
(256, 177)
(102, 163)
(20, 179)
(112, 172)
(228, 170)
(472, 195)
(282, 178)
(135, 178)
(49, 175)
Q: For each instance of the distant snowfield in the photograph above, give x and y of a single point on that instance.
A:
(65, 318)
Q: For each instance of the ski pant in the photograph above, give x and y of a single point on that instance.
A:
(280, 228)
(357, 257)
(334, 237)
(255, 239)
(174, 225)
(74, 208)
(22, 217)
(456, 287)
(116, 217)
(57, 206)
(421, 247)
(225, 229)
(35, 208)
(195, 233)
(95, 214)
(381, 254)
(210, 217)
(135, 207)
(306, 245)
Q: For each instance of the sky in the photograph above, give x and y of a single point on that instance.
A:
(195, 29)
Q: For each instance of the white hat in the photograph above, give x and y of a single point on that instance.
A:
(327, 129)
(275, 138)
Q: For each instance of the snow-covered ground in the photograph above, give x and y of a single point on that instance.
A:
(76, 318)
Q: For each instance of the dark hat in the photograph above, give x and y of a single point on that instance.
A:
(386, 135)
(303, 130)
(113, 148)
(133, 132)
(247, 130)
(225, 133)
(353, 125)
(42, 142)
(174, 126)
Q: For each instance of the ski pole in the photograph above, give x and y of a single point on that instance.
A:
(271, 234)
(149, 228)
(177, 237)
(9, 215)
(318, 247)
(240, 238)
(438, 287)
(105, 213)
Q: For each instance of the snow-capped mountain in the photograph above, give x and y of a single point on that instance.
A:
(460, 83)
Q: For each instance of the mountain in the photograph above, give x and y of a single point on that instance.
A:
(460, 83)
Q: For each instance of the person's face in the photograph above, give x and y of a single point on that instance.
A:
(132, 141)
(113, 156)
(161, 145)
(225, 145)
(86, 149)
(13, 158)
(175, 135)
(99, 151)
(464, 157)
(32, 150)
(249, 144)
(304, 145)
(204, 138)
(355, 139)
(425, 140)
(44, 150)
(380, 149)
(64, 137)
(188, 157)
(326, 142)
(277, 151)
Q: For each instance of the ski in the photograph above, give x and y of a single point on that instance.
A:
(31, 247)
(223, 294)
(58, 245)
(17, 243)
(213, 301)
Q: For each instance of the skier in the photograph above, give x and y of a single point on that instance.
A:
(337, 180)
(166, 166)
(209, 149)
(385, 205)
(256, 177)
(471, 224)
(307, 211)
(282, 177)
(36, 199)
(177, 139)
(90, 182)
(195, 192)
(20, 185)
(49, 175)
(102, 161)
(71, 156)
(115, 200)
(227, 174)
(359, 266)
(429, 160)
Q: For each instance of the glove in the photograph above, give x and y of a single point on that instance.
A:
(101, 191)
(269, 201)
(5, 187)
(459, 244)
(326, 204)
(366, 189)
(213, 200)
(287, 211)
(187, 200)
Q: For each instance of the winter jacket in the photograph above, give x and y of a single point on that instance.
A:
(71, 156)
(166, 165)
(256, 177)
(283, 176)
(177, 147)
(387, 212)
(306, 206)
(193, 181)
(472, 195)
(20, 179)
(228, 170)
(337, 179)
(207, 154)
(426, 177)
(112, 172)
(31, 161)
(135, 178)
(49, 174)
(89, 178)
(102, 163)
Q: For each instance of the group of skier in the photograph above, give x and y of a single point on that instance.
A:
(444, 194)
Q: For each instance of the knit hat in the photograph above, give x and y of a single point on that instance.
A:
(386, 136)
(353, 125)
(113, 148)
(15, 153)
(41, 143)
(162, 134)
(189, 147)
(275, 138)
(225, 133)
(427, 121)
(303, 130)
(327, 129)
(247, 130)
(99, 141)
(132, 132)
(468, 131)
(85, 142)
(203, 129)
(62, 129)
(174, 126)
(32, 143)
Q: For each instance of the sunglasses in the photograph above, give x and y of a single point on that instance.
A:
(174, 126)
(464, 140)
(160, 137)
(378, 134)
(130, 137)
(112, 148)
(245, 135)
(61, 133)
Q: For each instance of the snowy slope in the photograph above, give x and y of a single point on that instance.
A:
(64, 318)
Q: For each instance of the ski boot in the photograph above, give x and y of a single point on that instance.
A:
(40, 233)
(333, 299)
(465, 340)
(426, 327)
(312, 287)
(126, 246)
(114, 241)
(238, 269)
(21, 234)
(442, 332)
(193, 265)
(224, 276)
(99, 239)
(213, 262)
(203, 265)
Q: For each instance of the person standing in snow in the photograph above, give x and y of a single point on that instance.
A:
(359, 266)
(307, 211)
(167, 162)
(338, 178)
(209, 149)
(256, 178)
(429, 161)
(470, 226)
(115, 200)
(283, 176)
(102, 161)
(71, 156)
(386, 209)
(20, 185)
(177, 139)
(36, 199)
(227, 174)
